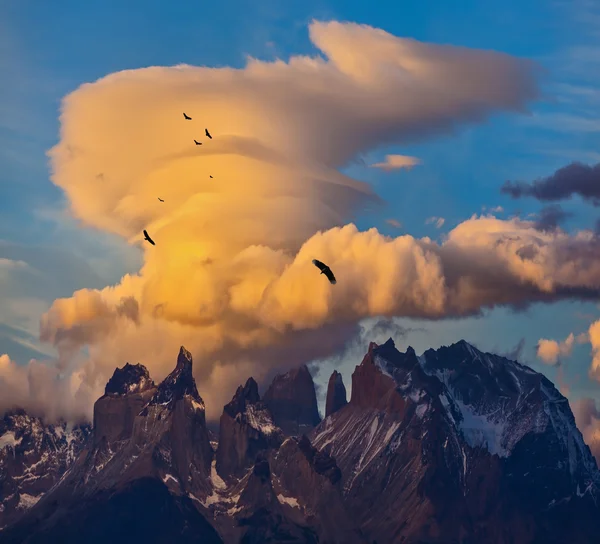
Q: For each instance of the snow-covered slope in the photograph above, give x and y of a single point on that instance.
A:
(33, 457)
(451, 429)
(500, 404)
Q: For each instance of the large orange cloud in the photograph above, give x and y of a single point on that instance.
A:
(231, 275)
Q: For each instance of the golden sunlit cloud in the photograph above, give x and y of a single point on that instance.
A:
(230, 276)
(550, 351)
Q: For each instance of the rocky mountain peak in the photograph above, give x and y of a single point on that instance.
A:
(178, 383)
(129, 379)
(244, 395)
(292, 400)
(184, 359)
(246, 430)
(336, 394)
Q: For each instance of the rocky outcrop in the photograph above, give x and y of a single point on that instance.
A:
(179, 384)
(246, 429)
(129, 379)
(264, 516)
(311, 479)
(453, 445)
(126, 393)
(292, 400)
(336, 394)
(33, 458)
(168, 444)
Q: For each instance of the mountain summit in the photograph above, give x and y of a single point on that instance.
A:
(453, 446)
(459, 442)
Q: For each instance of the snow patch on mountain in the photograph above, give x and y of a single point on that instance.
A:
(8, 440)
(260, 419)
(482, 431)
(290, 501)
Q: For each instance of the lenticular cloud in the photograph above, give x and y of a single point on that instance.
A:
(231, 275)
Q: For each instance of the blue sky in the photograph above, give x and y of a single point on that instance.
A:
(49, 49)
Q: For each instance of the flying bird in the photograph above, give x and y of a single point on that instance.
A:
(160, 199)
(186, 117)
(197, 142)
(210, 177)
(146, 237)
(325, 270)
(207, 133)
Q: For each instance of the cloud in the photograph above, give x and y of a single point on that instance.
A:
(231, 276)
(594, 336)
(587, 417)
(550, 351)
(497, 209)
(550, 217)
(43, 390)
(437, 221)
(574, 179)
(394, 223)
(396, 162)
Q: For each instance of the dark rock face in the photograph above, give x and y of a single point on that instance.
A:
(320, 461)
(265, 526)
(456, 446)
(33, 457)
(261, 517)
(246, 429)
(313, 478)
(453, 446)
(141, 511)
(167, 442)
(336, 394)
(179, 383)
(126, 393)
(292, 401)
(129, 379)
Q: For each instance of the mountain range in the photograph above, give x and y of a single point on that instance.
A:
(453, 446)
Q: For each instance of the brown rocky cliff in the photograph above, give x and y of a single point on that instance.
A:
(313, 479)
(246, 428)
(126, 393)
(336, 394)
(292, 400)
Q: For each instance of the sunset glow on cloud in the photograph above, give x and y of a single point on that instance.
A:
(231, 276)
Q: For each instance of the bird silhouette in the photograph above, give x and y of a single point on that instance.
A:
(160, 199)
(207, 133)
(197, 142)
(210, 177)
(186, 117)
(325, 270)
(146, 237)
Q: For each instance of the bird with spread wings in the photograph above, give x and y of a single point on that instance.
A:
(325, 270)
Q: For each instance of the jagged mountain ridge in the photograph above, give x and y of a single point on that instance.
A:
(467, 444)
(419, 454)
(33, 458)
